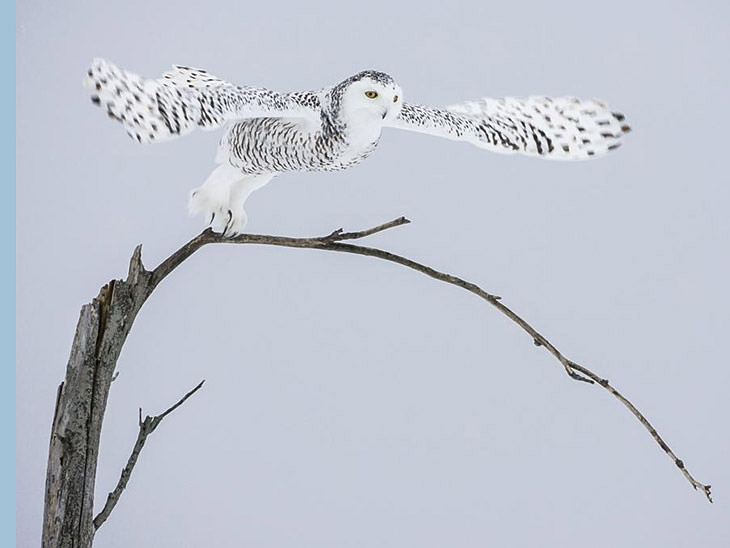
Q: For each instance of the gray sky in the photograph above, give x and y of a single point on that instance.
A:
(352, 403)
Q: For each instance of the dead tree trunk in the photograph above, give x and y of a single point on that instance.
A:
(68, 519)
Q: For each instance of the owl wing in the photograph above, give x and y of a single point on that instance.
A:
(186, 98)
(556, 128)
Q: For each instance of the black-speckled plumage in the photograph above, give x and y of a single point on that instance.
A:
(333, 128)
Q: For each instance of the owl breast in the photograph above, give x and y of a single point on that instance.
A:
(277, 145)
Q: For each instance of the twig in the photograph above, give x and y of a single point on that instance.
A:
(642, 419)
(146, 427)
(333, 242)
(338, 235)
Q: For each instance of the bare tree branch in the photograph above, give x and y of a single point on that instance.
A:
(102, 329)
(146, 427)
(332, 242)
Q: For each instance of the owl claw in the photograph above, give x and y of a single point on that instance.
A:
(225, 192)
(228, 224)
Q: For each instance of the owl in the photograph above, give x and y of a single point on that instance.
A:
(330, 129)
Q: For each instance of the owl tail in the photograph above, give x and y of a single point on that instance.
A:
(150, 110)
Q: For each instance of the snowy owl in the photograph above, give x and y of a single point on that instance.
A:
(336, 127)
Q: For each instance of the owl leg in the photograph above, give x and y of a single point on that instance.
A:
(240, 191)
(214, 197)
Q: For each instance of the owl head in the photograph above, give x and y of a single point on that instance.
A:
(370, 94)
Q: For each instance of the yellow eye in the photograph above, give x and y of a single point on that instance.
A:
(395, 98)
(371, 94)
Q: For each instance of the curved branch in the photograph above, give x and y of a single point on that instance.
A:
(333, 242)
(101, 331)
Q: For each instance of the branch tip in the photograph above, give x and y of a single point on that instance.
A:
(338, 235)
(706, 489)
(135, 263)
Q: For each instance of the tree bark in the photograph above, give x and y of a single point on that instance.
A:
(80, 406)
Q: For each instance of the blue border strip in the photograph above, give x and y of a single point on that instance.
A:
(7, 273)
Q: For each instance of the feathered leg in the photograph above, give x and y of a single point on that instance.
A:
(240, 191)
(222, 196)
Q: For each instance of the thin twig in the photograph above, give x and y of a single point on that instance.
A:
(146, 427)
(643, 420)
(338, 235)
(333, 242)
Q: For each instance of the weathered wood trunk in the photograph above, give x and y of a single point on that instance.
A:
(80, 405)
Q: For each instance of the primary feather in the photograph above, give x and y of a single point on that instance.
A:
(183, 99)
(554, 128)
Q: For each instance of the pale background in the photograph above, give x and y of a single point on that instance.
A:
(350, 402)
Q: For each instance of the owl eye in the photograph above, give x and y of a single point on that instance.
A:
(371, 94)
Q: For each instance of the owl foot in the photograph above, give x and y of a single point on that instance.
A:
(222, 197)
(220, 217)
(234, 224)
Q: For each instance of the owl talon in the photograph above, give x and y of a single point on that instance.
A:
(222, 197)
(228, 224)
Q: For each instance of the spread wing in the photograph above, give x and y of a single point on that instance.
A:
(186, 98)
(556, 128)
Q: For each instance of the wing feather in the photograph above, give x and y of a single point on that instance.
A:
(183, 99)
(556, 128)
